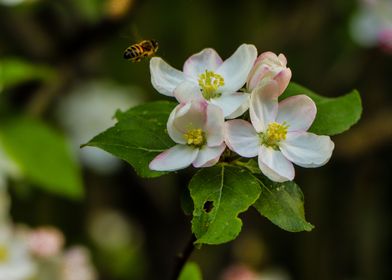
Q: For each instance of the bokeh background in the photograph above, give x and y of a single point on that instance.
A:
(69, 73)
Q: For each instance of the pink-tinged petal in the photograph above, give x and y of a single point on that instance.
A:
(282, 58)
(241, 137)
(188, 91)
(208, 156)
(207, 59)
(283, 79)
(175, 134)
(297, 111)
(264, 105)
(164, 78)
(256, 75)
(236, 68)
(192, 115)
(175, 158)
(274, 165)
(269, 66)
(214, 127)
(230, 102)
(307, 149)
(241, 110)
(266, 56)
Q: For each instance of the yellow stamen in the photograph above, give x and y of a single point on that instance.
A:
(195, 137)
(209, 83)
(3, 254)
(275, 133)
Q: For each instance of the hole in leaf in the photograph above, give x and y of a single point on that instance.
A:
(208, 206)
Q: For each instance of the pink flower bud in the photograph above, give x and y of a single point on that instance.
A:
(269, 66)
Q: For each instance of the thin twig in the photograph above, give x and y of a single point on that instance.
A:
(183, 257)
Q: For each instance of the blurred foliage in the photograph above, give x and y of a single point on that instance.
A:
(43, 156)
(191, 271)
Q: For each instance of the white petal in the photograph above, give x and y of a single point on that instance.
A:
(241, 137)
(242, 109)
(187, 91)
(177, 134)
(229, 103)
(207, 59)
(274, 165)
(175, 158)
(191, 115)
(236, 68)
(264, 104)
(208, 156)
(164, 78)
(307, 149)
(214, 127)
(298, 111)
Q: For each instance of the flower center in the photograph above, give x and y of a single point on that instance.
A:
(195, 137)
(209, 83)
(3, 254)
(275, 133)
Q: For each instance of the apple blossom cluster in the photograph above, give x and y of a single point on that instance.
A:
(212, 93)
(38, 253)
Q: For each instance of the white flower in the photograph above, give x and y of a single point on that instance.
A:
(197, 128)
(88, 110)
(15, 261)
(278, 134)
(206, 77)
(269, 65)
(370, 24)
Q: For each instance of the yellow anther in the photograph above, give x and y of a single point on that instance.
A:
(4, 255)
(209, 83)
(195, 137)
(275, 133)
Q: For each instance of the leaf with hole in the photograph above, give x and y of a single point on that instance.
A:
(220, 194)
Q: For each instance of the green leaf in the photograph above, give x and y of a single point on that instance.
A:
(283, 204)
(43, 155)
(14, 71)
(334, 115)
(186, 202)
(191, 271)
(250, 164)
(219, 194)
(138, 136)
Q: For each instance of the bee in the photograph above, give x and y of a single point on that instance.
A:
(145, 48)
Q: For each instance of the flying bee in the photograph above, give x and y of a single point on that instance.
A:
(145, 48)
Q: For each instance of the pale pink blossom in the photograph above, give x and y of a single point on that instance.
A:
(76, 265)
(45, 242)
(197, 128)
(239, 272)
(207, 77)
(278, 133)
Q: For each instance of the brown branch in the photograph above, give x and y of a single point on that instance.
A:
(183, 257)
